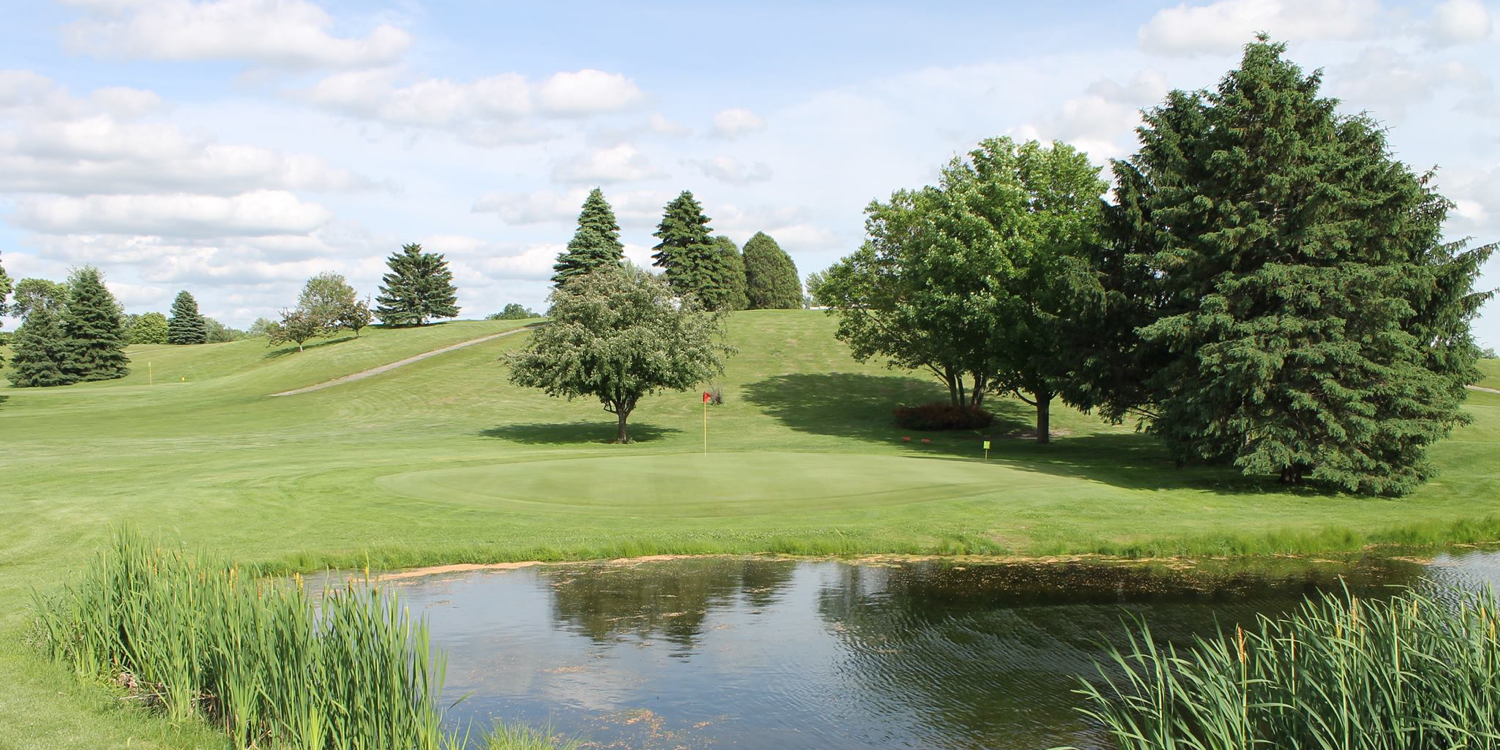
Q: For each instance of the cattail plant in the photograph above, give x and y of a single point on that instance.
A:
(1408, 673)
(191, 636)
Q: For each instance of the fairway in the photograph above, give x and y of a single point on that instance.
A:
(718, 484)
(443, 461)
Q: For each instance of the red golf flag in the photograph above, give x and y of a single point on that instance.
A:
(707, 398)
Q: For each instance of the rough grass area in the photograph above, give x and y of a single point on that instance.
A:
(332, 478)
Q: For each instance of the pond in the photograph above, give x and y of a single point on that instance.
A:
(759, 653)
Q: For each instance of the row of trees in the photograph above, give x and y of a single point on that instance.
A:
(70, 332)
(1268, 287)
(695, 262)
(185, 326)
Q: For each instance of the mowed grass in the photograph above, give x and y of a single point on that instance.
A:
(442, 461)
(1491, 370)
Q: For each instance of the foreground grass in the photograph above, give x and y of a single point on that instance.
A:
(441, 461)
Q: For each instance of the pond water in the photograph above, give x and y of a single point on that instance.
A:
(756, 653)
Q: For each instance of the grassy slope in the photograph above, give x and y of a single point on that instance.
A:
(326, 477)
(1491, 370)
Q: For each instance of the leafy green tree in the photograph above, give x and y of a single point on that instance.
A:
(31, 294)
(40, 349)
(218, 333)
(261, 327)
(5, 285)
(186, 325)
(93, 329)
(356, 316)
(1305, 318)
(771, 279)
(148, 328)
(418, 288)
(618, 335)
(297, 326)
(1017, 219)
(733, 265)
(327, 297)
(595, 244)
(812, 283)
(513, 311)
(688, 255)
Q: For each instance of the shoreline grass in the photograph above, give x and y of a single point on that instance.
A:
(1413, 672)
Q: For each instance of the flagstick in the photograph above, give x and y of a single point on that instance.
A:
(705, 427)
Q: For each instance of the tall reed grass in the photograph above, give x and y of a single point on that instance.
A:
(193, 636)
(1411, 672)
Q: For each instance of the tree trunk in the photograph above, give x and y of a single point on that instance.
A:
(299, 346)
(622, 436)
(952, 387)
(1043, 417)
(962, 400)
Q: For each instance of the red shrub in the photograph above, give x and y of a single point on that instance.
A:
(941, 415)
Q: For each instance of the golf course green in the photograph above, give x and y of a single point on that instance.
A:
(442, 461)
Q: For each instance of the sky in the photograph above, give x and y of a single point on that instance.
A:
(233, 148)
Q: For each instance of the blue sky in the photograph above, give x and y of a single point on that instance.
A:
(235, 147)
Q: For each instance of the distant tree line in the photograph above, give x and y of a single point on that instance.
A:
(693, 261)
(1268, 288)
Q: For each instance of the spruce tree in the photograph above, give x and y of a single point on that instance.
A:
(186, 326)
(418, 288)
(733, 265)
(688, 254)
(39, 351)
(94, 329)
(1302, 316)
(596, 242)
(771, 280)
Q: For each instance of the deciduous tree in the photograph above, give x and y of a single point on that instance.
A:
(771, 279)
(148, 328)
(93, 329)
(29, 294)
(296, 326)
(418, 288)
(619, 335)
(187, 325)
(596, 242)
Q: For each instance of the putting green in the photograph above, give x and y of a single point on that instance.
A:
(721, 484)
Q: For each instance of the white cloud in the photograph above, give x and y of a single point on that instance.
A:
(622, 163)
(660, 125)
(562, 207)
(1388, 83)
(587, 92)
(730, 170)
(1459, 22)
(1227, 25)
(261, 212)
(276, 33)
(733, 123)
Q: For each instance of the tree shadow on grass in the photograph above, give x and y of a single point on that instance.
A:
(858, 407)
(574, 433)
(284, 351)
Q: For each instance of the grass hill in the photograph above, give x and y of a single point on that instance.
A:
(443, 461)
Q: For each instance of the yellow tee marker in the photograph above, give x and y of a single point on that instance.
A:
(986, 450)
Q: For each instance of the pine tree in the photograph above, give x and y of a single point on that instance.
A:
(771, 279)
(40, 350)
(687, 253)
(733, 265)
(95, 332)
(418, 288)
(1305, 318)
(596, 243)
(186, 326)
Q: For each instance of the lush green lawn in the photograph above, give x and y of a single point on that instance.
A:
(442, 461)
(1491, 370)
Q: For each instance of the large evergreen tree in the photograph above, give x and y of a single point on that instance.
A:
(1296, 311)
(39, 351)
(94, 329)
(186, 326)
(688, 254)
(418, 288)
(771, 278)
(4, 288)
(733, 264)
(595, 243)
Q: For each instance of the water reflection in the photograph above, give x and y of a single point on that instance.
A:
(768, 653)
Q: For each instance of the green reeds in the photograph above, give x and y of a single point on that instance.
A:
(195, 637)
(1404, 673)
